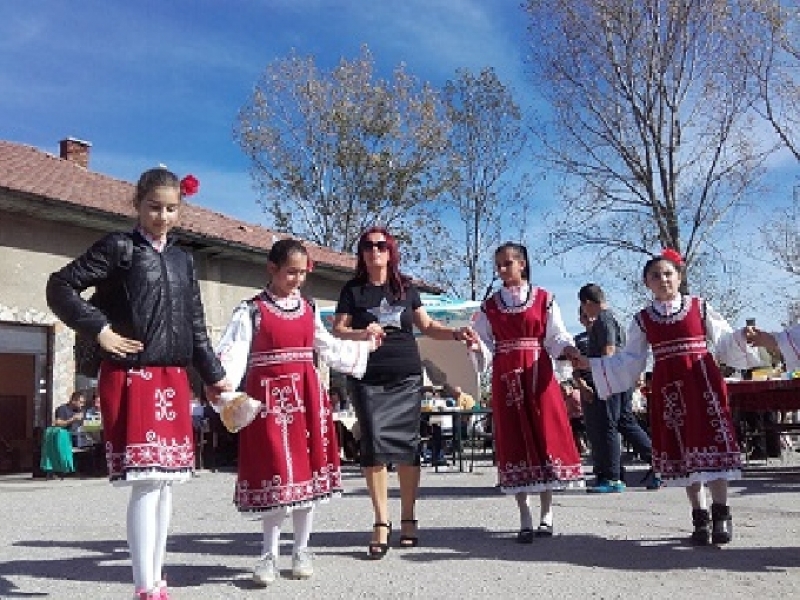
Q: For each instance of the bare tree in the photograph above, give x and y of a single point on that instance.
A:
(773, 55)
(781, 241)
(650, 117)
(335, 152)
(486, 138)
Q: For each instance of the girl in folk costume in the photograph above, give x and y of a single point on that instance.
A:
(521, 326)
(154, 328)
(694, 441)
(786, 342)
(288, 457)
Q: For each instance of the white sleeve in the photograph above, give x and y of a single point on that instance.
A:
(789, 345)
(233, 349)
(346, 356)
(556, 335)
(618, 373)
(483, 356)
(730, 347)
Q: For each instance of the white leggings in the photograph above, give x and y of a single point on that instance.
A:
(302, 519)
(149, 512)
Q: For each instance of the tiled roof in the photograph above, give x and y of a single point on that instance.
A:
(31, 171)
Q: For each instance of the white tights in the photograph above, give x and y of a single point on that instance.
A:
(302, 519)
(545, 509)
(149, 512)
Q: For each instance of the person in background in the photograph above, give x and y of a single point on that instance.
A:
(70, 415)
(520, 329)
(572, 400)
(612, 416)
(154, 330)
(694, 440)
(381, 301)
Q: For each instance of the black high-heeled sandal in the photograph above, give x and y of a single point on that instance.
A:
(409, 541)
(377, 550)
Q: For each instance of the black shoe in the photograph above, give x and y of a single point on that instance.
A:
(525, 536)
(721, 524)
(702, 529)
(409, 541)
(377, 550)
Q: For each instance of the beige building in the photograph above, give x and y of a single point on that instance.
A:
(51, 209)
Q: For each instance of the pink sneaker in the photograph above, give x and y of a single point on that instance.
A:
(161, 588)
(145, 595)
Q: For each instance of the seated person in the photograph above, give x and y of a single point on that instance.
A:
(70, 416)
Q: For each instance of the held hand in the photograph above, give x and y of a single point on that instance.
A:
(376, 342)
(116, 345)
(213, 391)
(756, 337)
(469, 336)
(580, 362)
(373, 330)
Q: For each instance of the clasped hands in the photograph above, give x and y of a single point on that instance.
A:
(757, 337)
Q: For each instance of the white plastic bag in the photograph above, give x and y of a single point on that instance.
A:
(237, 410)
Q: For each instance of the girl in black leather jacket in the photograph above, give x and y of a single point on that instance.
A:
(151, 328)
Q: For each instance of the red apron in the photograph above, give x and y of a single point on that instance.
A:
(533, 438)
(691, 428)
(289, 455)
(147, 422)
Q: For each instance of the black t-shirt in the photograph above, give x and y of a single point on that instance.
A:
(605, 331)
(398, 356)
(65, 413)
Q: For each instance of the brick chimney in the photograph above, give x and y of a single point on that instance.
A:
(75, 150)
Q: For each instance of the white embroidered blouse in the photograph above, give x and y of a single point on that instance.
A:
(617, 373)
(556, 335)
(348, 357)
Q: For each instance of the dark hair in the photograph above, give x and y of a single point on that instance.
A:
(77, 394)
(153, 178)
(592, 292)
(395, 281)
(657, 259)
(283, 249)
(522, 252)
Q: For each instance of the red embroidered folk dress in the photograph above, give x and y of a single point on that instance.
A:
(533, 438)
(289, 455)
(691, 428)
(147, 425)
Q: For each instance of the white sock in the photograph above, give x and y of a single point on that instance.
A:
(302, 520)
(164, 516)
(525, 517)
(141, 529)
(546, 510)
(272, 521)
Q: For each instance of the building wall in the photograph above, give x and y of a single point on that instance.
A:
(31, 249)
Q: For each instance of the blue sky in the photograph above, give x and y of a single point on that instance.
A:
(151, 82)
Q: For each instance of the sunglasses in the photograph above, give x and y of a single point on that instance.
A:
(381, 245)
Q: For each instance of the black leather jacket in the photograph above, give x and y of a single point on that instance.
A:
(155, 299)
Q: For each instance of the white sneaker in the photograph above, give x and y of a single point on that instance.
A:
(302, 567)
(264, 572)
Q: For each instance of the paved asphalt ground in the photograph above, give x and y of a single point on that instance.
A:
(65, 539)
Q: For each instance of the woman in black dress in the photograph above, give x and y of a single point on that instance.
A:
(381, 301)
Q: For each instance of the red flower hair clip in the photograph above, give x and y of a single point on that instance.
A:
(310, 265)
(672, 255)
(189, 185)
